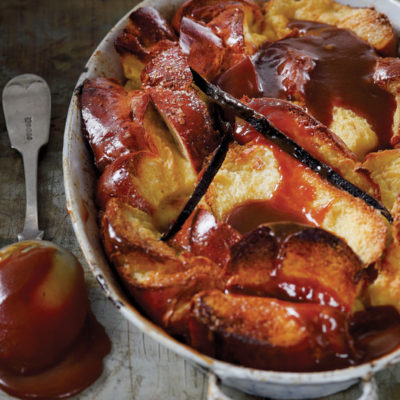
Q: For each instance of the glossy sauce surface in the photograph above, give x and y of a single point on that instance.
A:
(326, 67)
(80, 366)
(50, 346)
(293, 200)
(376, 331)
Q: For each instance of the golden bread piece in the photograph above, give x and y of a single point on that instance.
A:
(262, 172)
(366, 23)
(387, 75)
(252, 263)
(266, 333)
(168, 69)
(229, 19)
(161, 280)
(159, 186)
(385, 290)
(217, 34)
(146, 34)
(187, 117)
(113, 120)
(384, 167)
(167, 79)
(310, 134)
(295, 263)
(354, 130)
(117, 122)
(320, 268)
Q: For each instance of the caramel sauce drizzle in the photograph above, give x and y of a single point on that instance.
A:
(324, 66)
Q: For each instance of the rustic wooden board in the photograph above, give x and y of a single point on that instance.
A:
(54, 39)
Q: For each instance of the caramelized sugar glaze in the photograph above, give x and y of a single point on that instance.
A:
(318, 67)
(264, 286)
(51, 344)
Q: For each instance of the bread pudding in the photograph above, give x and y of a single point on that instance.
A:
(276, 268)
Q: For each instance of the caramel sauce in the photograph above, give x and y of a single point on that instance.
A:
(376, 331)
(248, 216)
(241, 80)
(293, 200)
(302, 290)
(50, 347)
(324, 67)
(78, 369)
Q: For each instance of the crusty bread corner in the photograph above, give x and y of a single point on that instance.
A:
(251, 172)
(367, 23)
(362, 227)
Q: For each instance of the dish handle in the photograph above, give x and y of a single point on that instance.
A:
(368, 387)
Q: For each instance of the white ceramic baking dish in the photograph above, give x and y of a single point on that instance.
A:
(79, 180)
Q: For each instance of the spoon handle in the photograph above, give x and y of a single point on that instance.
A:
(31, 224)
(27, 105)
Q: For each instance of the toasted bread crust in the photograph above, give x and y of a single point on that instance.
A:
(267, 333)
(109, 124)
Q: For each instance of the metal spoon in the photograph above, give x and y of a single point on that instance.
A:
(27, 108)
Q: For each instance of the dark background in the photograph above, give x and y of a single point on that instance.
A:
(53, 39)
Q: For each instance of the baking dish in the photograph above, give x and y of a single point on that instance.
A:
(79, 180)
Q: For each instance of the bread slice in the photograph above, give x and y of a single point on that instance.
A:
(146, 33)
(113, 120)
(263, 173)
(189, 122)
(227, 29)
(384, 167)
(367, 23)
(385, 290)
(159, 186)
(260, 332)
(160, 279)
(352, 127)
(296, 263)
(310, 134)
(387, 75)
(168, 81)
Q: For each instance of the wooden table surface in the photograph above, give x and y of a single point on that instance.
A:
(54, 39)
